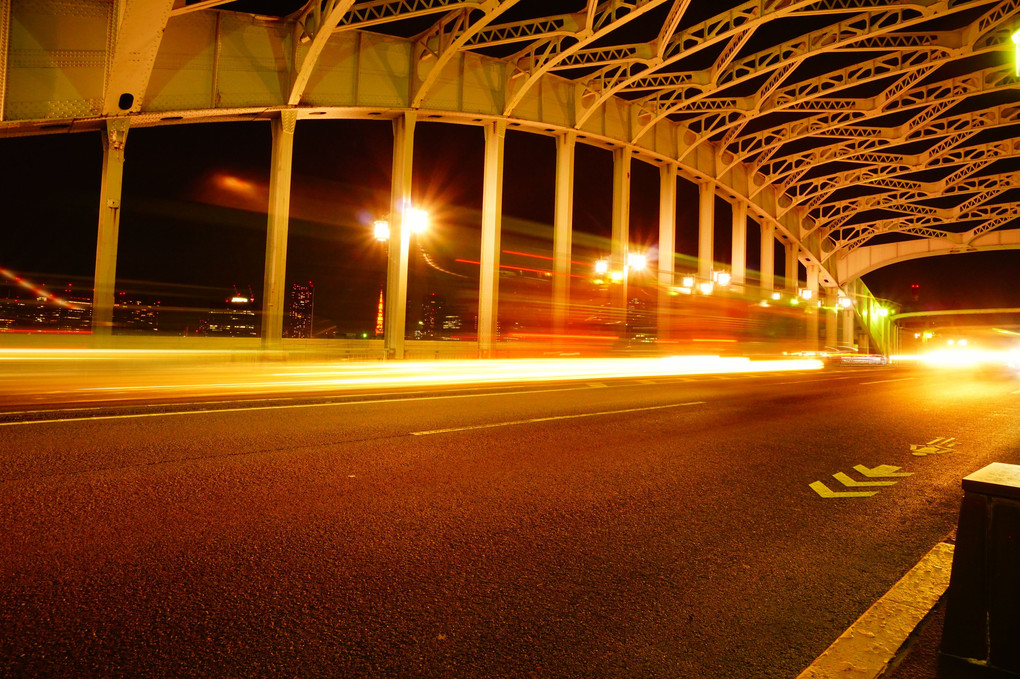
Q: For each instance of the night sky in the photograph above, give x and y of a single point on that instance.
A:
(193, 218)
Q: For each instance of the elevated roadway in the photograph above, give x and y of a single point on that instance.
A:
(857, 133)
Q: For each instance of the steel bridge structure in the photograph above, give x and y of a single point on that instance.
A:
(858, 133)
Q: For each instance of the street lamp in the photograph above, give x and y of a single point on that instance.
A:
(1016, 45)
(416, 221)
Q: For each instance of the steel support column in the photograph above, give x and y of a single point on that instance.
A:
(667, 246)
(563, 224)
(492, 212)
(114, 139)
(768, 259)
(621, 225)
(276, 231)
(790, 281)
(812, 307)
(395, 304)
(738, 266)
(706, 229)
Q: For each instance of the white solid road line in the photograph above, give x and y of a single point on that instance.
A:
(899, 379)
(211, 411)
(549, 419)
(820, 378)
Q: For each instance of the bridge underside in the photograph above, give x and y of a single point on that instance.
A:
(859, 132)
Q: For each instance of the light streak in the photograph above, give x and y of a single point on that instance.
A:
(263, 378)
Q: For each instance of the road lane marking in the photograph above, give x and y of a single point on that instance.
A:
(276, 407)
(820, 378)
(851, 483)
(934, 447)
(898, 379)
(881, 471)
(867, 647)
(825, 492)
(491, 425)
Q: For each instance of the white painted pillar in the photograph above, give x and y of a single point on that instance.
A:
(395, 304)
(831, 318)
(706, 229)
(768, 259)
(114, 139)
(621, 224)
(790, 280)
(492, 212)
(848, 327)
(812, 306)
(563, 225)
(276, 231)
(667, 246)
(738, 265)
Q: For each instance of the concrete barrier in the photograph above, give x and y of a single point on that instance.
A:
(982, 627)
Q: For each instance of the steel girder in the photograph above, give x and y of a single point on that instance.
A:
(811, 127)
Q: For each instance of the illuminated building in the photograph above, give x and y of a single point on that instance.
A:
(134, 316)
(237, 319)
(300, 311)
(380, 315)
(71, 312)
(433, 309)
(452, 324)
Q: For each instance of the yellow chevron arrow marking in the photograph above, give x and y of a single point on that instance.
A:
(847, 481)
(882, 470)
(824, 491)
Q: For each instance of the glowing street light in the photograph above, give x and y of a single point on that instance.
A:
(416, 219)
(687, 282)
(602, 267)
(723, 278)
(636, 261)
(806, 294)
(845, 302)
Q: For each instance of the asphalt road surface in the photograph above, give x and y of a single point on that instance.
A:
(617, 528)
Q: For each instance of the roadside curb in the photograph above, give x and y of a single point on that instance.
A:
(865, 650)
